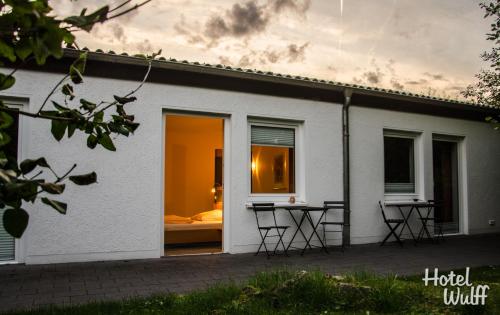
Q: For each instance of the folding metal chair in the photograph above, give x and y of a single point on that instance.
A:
(261, 209)
(426, 218)
(333, 205)
(392, 224)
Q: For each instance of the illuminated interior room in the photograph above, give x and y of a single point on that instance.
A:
(272, 158)
(193, 185)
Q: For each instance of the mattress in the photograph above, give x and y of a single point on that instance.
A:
(195, 225)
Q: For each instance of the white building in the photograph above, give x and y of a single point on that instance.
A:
(211, 133)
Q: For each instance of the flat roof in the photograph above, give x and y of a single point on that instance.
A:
(171, 71)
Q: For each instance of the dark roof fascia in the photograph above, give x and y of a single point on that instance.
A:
(218, 77)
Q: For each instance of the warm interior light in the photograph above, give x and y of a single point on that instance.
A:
(213, 190)
(254, 166)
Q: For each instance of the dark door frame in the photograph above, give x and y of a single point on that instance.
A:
(461, 198)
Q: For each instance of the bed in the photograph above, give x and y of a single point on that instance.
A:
(194, 225)
(200, 228)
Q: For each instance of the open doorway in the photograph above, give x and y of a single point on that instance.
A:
(193, 185)
(446, 185)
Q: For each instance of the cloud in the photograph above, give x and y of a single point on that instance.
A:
(300, 7)
(373, 77)
(296, 53)
(415, 82)
(118, 32)
(435, 76)
(242, 20)
(292, 53)
(144, 47)
(396, 85)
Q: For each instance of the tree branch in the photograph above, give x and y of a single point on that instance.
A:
(52, 92)
(135, 7)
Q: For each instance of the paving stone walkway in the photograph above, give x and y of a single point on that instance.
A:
(63, 284)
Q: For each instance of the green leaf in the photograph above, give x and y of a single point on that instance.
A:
(7, 51)
(53, 188)
(86, 105)
(106, 142)
(23, 48)
(40, 51)
(85, 179)
(5, 120)
(60, 107)
(28, 165)
(99, 116)
(67, 90)
(92, 141)
(3, 159)
(86, 22)
(6, 81)
(124, 100)
(71, 129)
(4, 138)
(58, 129)
(15, 221)
(61, 207)
(79, 64)
(75, 75)
(121, 111)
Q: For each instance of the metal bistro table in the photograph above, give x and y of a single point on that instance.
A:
(306, 216)
(409, 206)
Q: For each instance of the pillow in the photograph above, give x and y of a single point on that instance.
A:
(212, 215)
(172, 218)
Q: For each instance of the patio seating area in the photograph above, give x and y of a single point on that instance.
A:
(319, 223)
(304, 218)
(29, 286)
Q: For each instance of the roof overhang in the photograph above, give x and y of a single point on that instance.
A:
(257, 82)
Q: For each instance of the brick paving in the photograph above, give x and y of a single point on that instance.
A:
(68, 284)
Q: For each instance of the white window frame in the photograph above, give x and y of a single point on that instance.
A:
(298, 160)
(417, 163)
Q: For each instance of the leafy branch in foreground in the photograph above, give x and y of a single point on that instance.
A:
(486, 91)
(30, 33)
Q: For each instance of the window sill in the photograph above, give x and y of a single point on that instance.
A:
(401, 196)
(248, 205)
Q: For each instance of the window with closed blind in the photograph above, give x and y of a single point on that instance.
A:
(399, 164)
(7, 242)
(272, 160)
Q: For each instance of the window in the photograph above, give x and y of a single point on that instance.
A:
(272, 160)
(399, 164)
(7, 242)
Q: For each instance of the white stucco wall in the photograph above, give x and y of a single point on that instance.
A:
(479, 152)
(121, 216)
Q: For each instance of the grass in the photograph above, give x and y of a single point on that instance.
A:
(301, 292)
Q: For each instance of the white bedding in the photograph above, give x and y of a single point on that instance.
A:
(195, 225)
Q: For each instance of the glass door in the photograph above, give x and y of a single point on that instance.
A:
(445, 161)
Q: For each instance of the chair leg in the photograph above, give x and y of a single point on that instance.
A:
(427, 231)
(324, 235)
(386, 238)
(280, 240)
(263, 243)
(397, 236)
(392, 233)
(342, 238)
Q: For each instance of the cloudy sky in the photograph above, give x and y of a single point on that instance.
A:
(424, 46)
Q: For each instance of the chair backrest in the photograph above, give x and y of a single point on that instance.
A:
(333, 205)
(433, 205)
(382, 209)
(263, 207)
